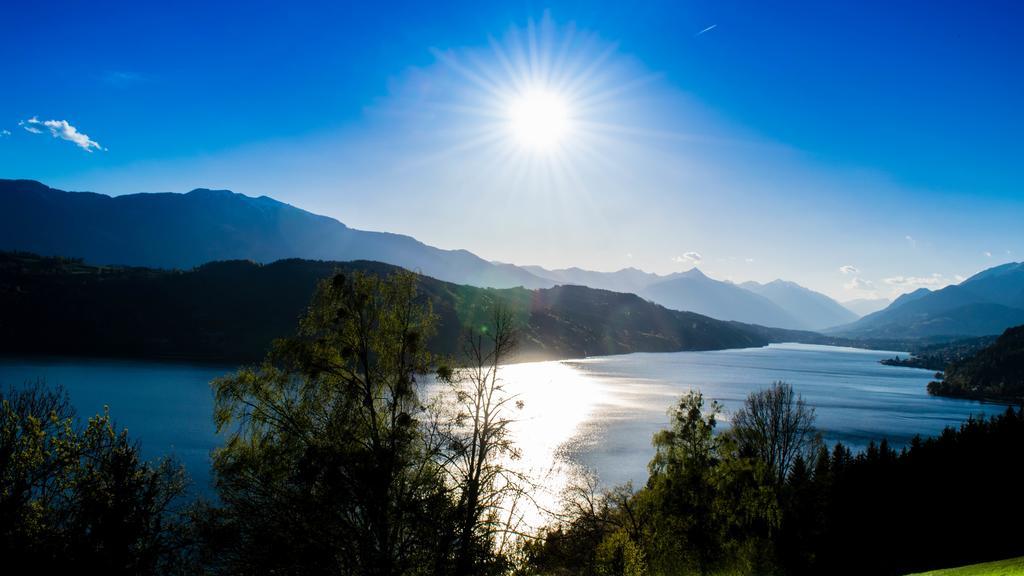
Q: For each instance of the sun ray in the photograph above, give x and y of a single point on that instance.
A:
(540, 114)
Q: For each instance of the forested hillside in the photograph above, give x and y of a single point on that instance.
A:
(995, 372)
(231, 311)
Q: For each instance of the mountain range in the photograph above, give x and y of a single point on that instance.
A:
(987, 303)
(232, 311)
(809, 308)
(779, 303)
(168, 230)
(183, 231)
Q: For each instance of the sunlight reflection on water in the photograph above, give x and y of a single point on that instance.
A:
(599, 414)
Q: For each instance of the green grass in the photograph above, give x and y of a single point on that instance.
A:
(1012, 567)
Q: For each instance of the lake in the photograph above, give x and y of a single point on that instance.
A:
(595, 414)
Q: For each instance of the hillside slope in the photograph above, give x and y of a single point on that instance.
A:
(232, 310)
(987, 303)
(812, 310)
(1012, 567)
(995, 372)
(167, 230)
(696, 292)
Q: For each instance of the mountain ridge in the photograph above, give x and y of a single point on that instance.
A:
(232, 310)
(987, 303)
(206, 225)
(184, 230)
(811, 309)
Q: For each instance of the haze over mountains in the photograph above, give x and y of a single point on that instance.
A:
(168, 230)
(986, 303)
(811, 309)
(865, 306)
(778, 303)
(232, 310)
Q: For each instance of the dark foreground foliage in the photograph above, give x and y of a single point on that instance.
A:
(336, 464)
(714, 504)
(78, 496)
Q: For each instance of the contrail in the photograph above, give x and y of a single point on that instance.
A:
(708, 29)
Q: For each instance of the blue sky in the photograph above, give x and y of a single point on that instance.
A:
(860, 148)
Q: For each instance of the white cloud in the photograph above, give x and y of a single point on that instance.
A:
(688, 258)
(849, 269)
(935, 281)
(860, 288)
(30, 125)
(5, 133)
(63, 130)
(913, 242)
(629, 255)
(859, 284)
(915, 282)
(748, 260)
(987, 254)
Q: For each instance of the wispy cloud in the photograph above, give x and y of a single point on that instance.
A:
(935, 280)
(688, 258)
(987, 254)
(913, 242)
(849, 269)
(30, 125)
(123, 78)
(706, 30)
(5, 133)
(63, 130)
(859, 283)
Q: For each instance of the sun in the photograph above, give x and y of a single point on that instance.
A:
(539, 119)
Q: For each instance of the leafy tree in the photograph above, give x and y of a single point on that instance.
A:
(327, 467)
(683, 530)
(73, 496)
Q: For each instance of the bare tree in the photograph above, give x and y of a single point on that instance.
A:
(776, 426)
(479, 443)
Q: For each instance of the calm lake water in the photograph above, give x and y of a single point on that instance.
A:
(596, 414)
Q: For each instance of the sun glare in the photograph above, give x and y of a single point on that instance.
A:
(539, 119)
(541, 107)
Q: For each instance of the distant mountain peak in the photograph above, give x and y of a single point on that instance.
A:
(693, 273)
(909, 296)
